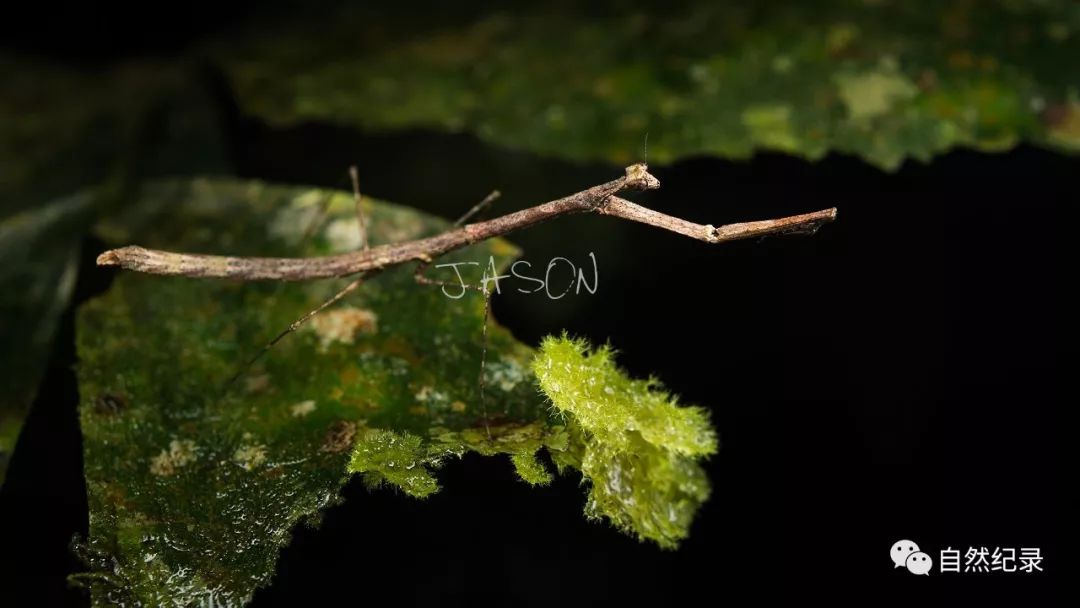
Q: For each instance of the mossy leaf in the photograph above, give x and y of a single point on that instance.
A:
(635, 445)
(882, 80)
(194, 486)
(531, 470)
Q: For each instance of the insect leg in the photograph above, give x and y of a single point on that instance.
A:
(423, 279)
(320, 216)
(295, 325)
(483, 358)
(354, 174)
(309, 232)
(478, 207)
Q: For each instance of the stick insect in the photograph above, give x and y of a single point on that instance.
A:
(368, 261)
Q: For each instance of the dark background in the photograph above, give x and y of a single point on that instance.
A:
(894, 376)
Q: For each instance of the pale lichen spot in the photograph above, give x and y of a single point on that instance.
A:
(180, 453)
(299, 410)
(343, 234)
(770, 125)
(872, 94)
(504, 374)
(342, 325)
(429, 395)
(257, 383)
(291, 223)
(458, 406)
(248, 457)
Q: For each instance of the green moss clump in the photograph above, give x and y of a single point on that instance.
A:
(395, 458)
(638, 449)
(530, 469)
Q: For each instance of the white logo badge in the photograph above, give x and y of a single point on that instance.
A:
(901, 550)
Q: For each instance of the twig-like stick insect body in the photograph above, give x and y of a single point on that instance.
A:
(600, 199)
(367, 261)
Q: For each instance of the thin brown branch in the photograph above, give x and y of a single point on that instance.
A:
(598, 199)
(807, 223)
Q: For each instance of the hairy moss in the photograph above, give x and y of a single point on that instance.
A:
(531, 470)
(636, 446)
(395, 458)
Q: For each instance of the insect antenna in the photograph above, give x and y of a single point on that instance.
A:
(295, 325)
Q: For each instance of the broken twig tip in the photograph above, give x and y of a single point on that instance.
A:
(109, 258)
(638, 177)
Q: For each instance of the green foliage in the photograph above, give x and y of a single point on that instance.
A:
(395, 458)
(405, 461)
(882, 80)
(64, 131)
(635, 445)
(36, 281)
(531, 470)
(193, 485)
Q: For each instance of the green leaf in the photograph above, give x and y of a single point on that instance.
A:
(193, 487)
(882, 80)
(634, 444)
(194, 484)
(36, 280)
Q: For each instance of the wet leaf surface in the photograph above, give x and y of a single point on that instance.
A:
(193, 487)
